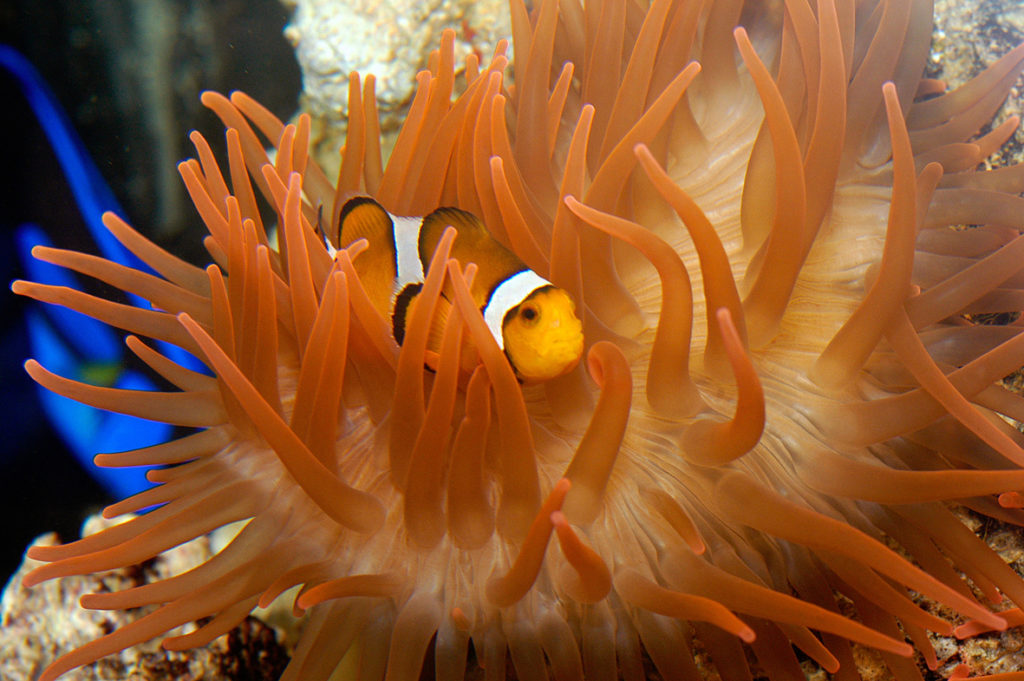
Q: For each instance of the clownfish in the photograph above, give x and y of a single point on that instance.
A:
(533, 321)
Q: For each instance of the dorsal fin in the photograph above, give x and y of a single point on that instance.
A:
(363, 218)
(473, 244)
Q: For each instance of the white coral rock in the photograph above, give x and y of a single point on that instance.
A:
(388, 38)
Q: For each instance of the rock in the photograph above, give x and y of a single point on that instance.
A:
(39, 624)
(391, 39)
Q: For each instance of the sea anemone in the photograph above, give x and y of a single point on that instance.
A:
(766, 449)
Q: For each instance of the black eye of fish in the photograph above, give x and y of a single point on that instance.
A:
(529, 313)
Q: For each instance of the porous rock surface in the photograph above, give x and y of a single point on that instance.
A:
(39, 624)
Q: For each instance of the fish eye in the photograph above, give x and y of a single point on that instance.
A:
(529, 313)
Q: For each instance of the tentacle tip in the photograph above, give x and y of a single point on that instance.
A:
(965, 630)
(747, 635)
(961, 671)
(831, 666)
(32, 579)
(305, 601)
(934, 167)
(1011, 500)
(175, 643)
(37, 553)
(461, 620)
(904, 650)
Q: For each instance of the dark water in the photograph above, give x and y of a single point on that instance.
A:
(129, 75)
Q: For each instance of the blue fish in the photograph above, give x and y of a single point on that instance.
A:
(70, 343)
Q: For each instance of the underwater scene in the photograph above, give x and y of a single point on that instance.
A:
(513, 339)
(102, 96)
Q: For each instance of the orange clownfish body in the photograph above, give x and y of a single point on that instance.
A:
(532, 320)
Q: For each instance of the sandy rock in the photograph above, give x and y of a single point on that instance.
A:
(969, 36)
(39, 624)
(391, 39)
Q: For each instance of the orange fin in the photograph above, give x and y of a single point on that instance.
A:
(364, 218)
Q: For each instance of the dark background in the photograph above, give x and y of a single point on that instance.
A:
(129, 74)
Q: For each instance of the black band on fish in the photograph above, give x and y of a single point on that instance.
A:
(399, 317)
